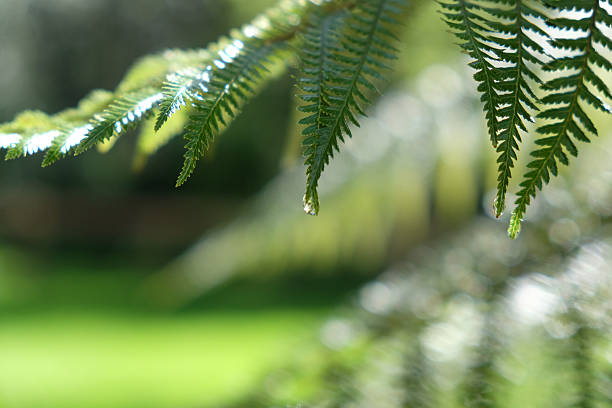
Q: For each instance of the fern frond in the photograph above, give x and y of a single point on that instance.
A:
(347, 67)
(228, 87)
(237, 72)
(67, 139)
(515, 92)
(178, 90)
(565, 96)
(320, 42)
(499, 41)
(32, 132)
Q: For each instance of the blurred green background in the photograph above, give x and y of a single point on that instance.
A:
(117, 290)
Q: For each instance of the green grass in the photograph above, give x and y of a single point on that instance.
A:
(80, 331)
(88, 359)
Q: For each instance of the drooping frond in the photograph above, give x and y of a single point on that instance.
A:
(235, 72)
(516, 92)
(320, 42)
(145, 85)
(229, 85)
(566, 97)
(500, 40)
(346, 68)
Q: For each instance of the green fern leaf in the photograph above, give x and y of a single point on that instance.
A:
(347, 68)
(124, 113)
(77, 128)
(568, 122)
(228, 87)
(516, 97)
(320, 42)
(178, 90)
(33, 132)
(239, 70)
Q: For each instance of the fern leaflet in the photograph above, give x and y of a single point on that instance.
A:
(516, 94)
(215, 103)
(569, 121)
(124, 113)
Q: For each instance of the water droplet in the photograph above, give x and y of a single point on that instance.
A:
(309, 206)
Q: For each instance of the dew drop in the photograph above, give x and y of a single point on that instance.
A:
(309, 207)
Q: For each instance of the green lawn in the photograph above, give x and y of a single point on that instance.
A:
(78, 331)
(93, 359)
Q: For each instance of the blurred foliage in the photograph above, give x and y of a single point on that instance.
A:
(466, 314)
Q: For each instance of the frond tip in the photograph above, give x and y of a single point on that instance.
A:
(342, 54)
(229, 83)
